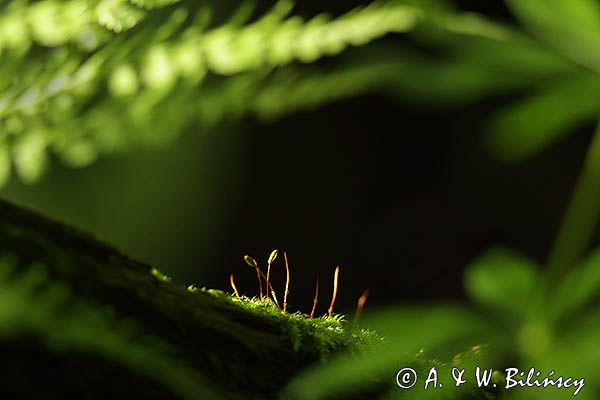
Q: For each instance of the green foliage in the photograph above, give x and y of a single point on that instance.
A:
(407, 331)
(503, 281)
(83, 78)
(80, 78)
(545, 117)
(580, 286)
(520, 333)
(572, 30)
(554, 66)
(571, 27)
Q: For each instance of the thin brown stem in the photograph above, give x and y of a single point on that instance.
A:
(360, 304)
(316, 299)
(287, 282)
(233, 286)
(259, 283)
(269, 286)
(335, 289)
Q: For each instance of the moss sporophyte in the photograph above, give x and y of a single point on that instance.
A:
(270, 290)
(318, 335)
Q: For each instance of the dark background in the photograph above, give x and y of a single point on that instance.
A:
(401, 198)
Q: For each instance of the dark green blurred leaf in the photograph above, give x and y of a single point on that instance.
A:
(436, 329)
(503, 280)
(580, 286)
(573, 354)
(468, 58)
(528, 126)
(578, 349)
(571, 27)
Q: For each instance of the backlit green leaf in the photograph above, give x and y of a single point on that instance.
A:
(542, 119)
(571, 27)
(503, 280)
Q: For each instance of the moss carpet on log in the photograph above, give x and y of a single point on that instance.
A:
(79, 317)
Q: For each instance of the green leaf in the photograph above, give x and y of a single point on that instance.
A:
(575, 354)
(502, 280)
(579, 347)
(442, 329)
(509, 54)
(570, 27)
(475, 58)
(580, 286)
(530, 125)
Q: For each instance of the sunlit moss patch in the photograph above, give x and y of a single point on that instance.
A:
(319, 336)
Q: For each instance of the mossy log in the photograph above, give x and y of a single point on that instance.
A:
(77, 318)
(241, 354)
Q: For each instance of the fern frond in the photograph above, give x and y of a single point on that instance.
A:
(77, 80)
(117, 15)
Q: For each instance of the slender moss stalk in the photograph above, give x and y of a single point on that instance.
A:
(314, 307)
(580, 220)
